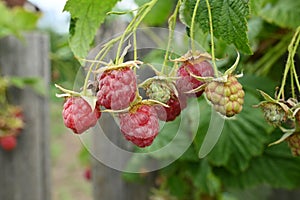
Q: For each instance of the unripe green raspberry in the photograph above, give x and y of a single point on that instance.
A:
(159, 90)
(227, 98)
(297, 116)
(274, 113)
(294, 143)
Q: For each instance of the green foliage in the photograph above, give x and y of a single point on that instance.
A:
(13, 21)
(238, 144)
(276, 167)
(87, 16)
(64, 66)
(284, 13)
(35, 83)
(84, 156)
(160, 12)
(228, 17)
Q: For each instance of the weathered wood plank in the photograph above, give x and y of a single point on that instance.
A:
(25, 172)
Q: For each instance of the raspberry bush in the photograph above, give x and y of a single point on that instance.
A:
(254, 144)
(11, 118)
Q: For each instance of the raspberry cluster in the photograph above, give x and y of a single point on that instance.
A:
(115, 89)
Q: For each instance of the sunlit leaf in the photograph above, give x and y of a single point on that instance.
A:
(229, 20)
(87, 16)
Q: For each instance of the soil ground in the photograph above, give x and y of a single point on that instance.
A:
(68, 182)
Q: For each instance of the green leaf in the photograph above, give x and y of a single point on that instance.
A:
(228, 17)
(84, 157)
(175, 137)
(241, 139)
(206, 181)
(255, 6)
(22, 20)
(87, 16)
(276, 167)
(37, 84)
(284, 13)
(159, 13)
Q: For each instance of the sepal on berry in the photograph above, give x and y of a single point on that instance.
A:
(87, 95)
(191, 56)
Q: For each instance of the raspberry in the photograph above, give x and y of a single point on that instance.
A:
(140, 125)
(186, 82)
(273, 113)
(87, 174)
(294, 143)
(227, 98)
(117, 88)
(297, 116)
(159, 90)
(8, 143)
(78, 115)
(170, 113)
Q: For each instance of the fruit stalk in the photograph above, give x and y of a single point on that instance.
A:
(133, 25)
(193, 26)
(213, 58)
(172, 23)
(292, 48)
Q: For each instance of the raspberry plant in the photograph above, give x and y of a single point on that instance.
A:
(11, 118)
(214, 163)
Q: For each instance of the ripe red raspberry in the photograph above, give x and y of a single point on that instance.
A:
(87, 174)
(227, 98)
(186, 82)
(8, 143)
(117, 88)
(170, 113)
(140, 125)
(294, 143)
(78, 115)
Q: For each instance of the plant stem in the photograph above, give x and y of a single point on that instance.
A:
(145, 9)
(132, 25)
(192, 31)
(292, 48)
(172, 24)
(267, 61)
(134, 46)
(296, 44)
(213, 58)
(296, 78)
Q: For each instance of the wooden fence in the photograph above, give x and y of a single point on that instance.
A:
(25, 172)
